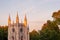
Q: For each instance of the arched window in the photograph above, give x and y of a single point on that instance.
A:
(21, 30)
(21, 37)
(13, 29)
(12, 37)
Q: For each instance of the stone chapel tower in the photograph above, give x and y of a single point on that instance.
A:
(18, 31)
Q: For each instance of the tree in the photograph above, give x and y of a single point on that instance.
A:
(56, 16)
(3, 32)
(34, 35)
(50, 31)
(6, 33)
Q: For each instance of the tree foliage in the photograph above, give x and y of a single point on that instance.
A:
(34, 35)
(50, 31)
(56, 16)
(3, 32)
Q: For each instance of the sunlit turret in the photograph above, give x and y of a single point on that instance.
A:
(9, 20)
(17, 18)
(25, 21)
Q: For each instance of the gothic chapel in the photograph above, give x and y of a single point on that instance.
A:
(18, 31)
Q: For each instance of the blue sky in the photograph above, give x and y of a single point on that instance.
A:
(37, 11)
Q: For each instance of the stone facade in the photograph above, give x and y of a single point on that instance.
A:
(18, 31)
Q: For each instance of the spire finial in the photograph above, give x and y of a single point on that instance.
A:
(25, 20)
(9, 20)
(17, 18)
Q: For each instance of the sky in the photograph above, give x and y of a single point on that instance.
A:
(37, 11)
